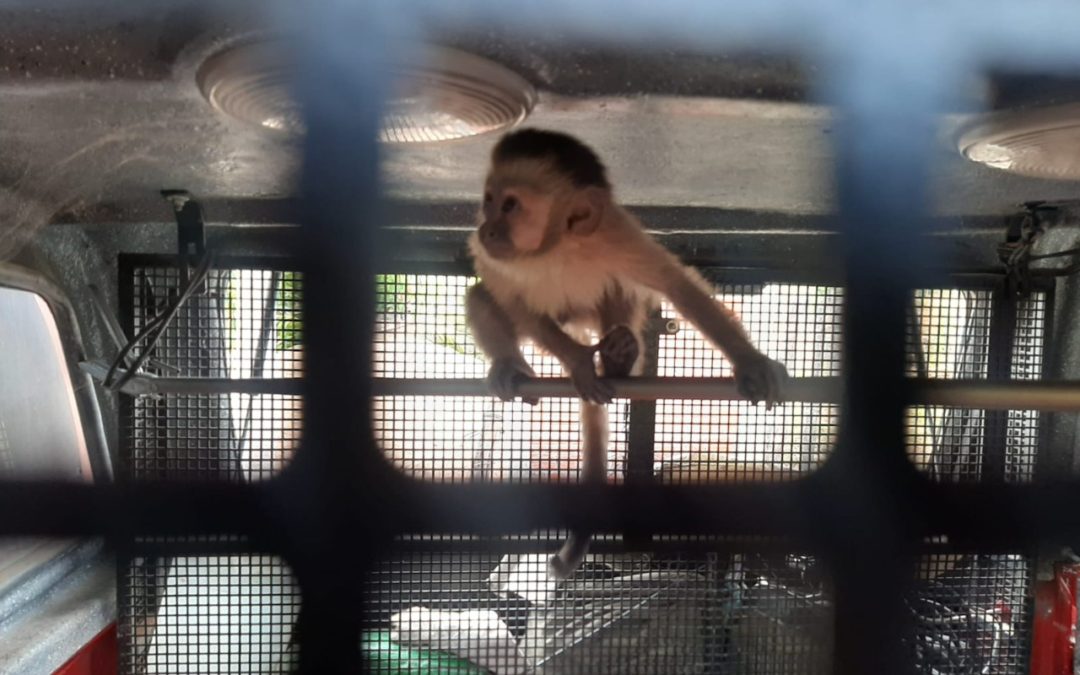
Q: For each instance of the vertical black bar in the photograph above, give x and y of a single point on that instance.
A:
(1054, 459)
(126, 307)
(871, 522)
(1053, 456)
(641, 439)
(1003, 307)
(130, 611)
(338, 476)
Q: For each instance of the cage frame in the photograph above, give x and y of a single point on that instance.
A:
(342, 189)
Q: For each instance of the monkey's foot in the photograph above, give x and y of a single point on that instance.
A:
(505, 375)
(619, 351)
(589, 385)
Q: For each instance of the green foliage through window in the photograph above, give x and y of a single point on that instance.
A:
(288, 323)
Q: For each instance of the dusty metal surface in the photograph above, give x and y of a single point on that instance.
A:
(101, 110)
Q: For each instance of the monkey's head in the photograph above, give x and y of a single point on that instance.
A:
(543, 186)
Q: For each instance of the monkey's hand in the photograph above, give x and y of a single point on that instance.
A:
(588, 384)
(505, 375)
(619, 351)
(759, 378)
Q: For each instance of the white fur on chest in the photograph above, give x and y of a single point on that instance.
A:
(565, 286)
(564, 290)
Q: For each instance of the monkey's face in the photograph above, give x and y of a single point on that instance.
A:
(515, 220)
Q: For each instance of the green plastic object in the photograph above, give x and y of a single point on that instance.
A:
(386, 656)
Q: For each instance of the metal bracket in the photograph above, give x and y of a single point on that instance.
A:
(190, 230)
(1015, 251)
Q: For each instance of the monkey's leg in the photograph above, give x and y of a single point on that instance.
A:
(622, 320)
(619, 351)
(575, 357)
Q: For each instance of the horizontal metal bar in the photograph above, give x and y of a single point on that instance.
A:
(972, 516)
(817, 389)
(152, 385)
(1059, 396)
(1009, 395)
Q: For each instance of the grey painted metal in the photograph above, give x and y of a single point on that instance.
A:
(61, 618)
(18, 277)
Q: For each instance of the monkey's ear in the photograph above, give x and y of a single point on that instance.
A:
(586, 211)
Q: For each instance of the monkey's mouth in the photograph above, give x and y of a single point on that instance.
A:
(500, 249)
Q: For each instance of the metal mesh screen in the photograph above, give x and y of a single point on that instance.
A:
(733, 440)
(948, 338)
(207, 614)
(1022, 440)
(245, 323)
(972, 614)
(221, 613)
(622, 613)
(716, 612)
(420, 331)
(457, 604)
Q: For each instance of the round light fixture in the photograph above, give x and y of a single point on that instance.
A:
(439, 93)
(1041, 142)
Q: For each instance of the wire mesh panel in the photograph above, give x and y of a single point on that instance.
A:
(460, 608)
(1022, 440)
(219, 613)
(420, 328)
(622, 613)
(482, 607)
(972, 614)
(242, 322)
(458, 439)
(207, 614)
(421, 331)
(948, 338)
(702, 441)
(451, 604)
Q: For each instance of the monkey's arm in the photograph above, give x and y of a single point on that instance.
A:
(490, 325)
(758, 377)
(496, 336)
(498, 332)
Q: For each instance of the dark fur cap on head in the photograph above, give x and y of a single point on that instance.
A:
(570, 156)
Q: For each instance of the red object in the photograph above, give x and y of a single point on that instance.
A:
(97, 657)
(1053, 641)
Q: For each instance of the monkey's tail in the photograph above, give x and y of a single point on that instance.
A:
(594, 442)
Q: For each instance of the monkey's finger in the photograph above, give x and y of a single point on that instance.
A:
(517, 378)
(748, 387)
(597, 391)
(607, 391)
(502, 386)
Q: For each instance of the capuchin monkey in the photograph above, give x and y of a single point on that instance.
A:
(559, 260)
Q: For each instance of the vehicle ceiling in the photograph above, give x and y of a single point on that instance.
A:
(100, 110)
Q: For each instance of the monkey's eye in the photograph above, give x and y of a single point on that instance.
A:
(509, 204)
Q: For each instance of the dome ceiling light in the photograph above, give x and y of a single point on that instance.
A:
(1039, 142)
(439, 94)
